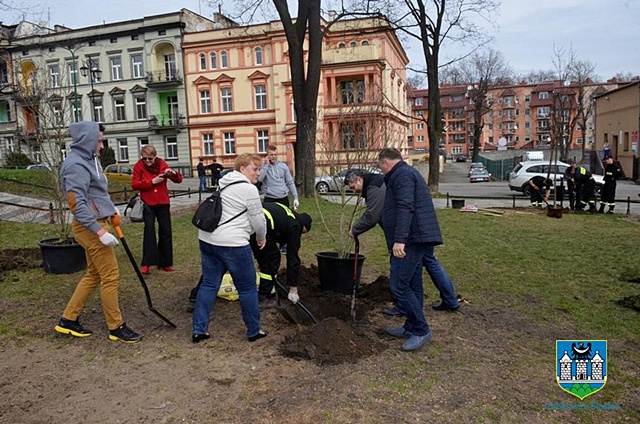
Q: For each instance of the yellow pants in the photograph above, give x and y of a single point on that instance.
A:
(102, 270)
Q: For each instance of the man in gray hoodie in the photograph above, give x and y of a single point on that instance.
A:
(276, 180)
(87, 195)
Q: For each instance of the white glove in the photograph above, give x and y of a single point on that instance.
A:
(109, 239)
(293, 297)
(295, 206)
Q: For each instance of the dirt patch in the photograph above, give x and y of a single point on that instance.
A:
(631, 302)
(19, 259)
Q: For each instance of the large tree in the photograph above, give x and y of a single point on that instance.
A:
(434, 23)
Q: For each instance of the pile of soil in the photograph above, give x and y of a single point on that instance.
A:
(336, 338)
(19, 259)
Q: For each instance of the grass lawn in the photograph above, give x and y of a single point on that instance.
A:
(530, 280)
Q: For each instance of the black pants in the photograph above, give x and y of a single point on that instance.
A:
(609, 193)
(571, 188)
(282, 200)
(587, 194)
(268, 259)
(536, 197)
(158, 252)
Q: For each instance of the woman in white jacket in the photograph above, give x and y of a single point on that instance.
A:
(227, 249)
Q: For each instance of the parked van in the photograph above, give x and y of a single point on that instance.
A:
(529, 156)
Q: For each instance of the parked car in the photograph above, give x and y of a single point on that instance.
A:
(119, 172)
(524, 171)
(475, 166)
(39, 167)
(461, 158)
(327, 183)
(479, 175)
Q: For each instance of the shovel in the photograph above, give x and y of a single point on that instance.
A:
(355, 279)
(282, 310)
(115, 220)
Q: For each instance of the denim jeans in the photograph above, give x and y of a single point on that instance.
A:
(440, 278)
(405, 282)
(216, 260)
(203, 183)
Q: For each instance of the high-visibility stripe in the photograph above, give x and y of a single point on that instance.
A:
(270, 218)
(264, 276)
(287, 210)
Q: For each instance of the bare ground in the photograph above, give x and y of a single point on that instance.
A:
(483, 365)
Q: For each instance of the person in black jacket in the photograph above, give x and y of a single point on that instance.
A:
(585, 188)
(216, 169)
(202, 176)
(612, 172)
(535, 187)
(284, 226)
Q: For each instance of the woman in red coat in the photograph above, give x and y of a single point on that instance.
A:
(150, 176)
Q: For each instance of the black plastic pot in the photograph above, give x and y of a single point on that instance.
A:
(336, 273)
(60, 258)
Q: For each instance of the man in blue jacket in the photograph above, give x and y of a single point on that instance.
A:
(410, 228)
(373, 192)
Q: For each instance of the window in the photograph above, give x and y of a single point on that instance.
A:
(98, 112)
(457, 113)
(527, 124)
(227, 100)
(352, 91)
(141, 107)
(58, 115)
(9, 144)
(203, 62)
(261, 96)
(4, 75)
(205, 101)
(258, 52)
(114, 40)
(136, 66)
(143, 141)
(116, 68)
(207, 144)
(543, 95)
(527, 97)
(352, 135)
(123, 150)
(118, 109)
(73, 74)
(420, 126)
(353, 44)
(224, 61)
(419, 101)
(263, 141)
(170, 69)
(365, 43)
(213, 58)
(76, 112)
(171, 146)
(457, 98)
(544, 111)
(229, 143)
(420, 138)
(173, 109)
(54, 72)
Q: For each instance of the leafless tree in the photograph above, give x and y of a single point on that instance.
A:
(482, 71)
(537, 76)
(582, 72)
(433, 23)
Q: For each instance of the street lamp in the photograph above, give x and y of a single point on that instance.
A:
(91, 69)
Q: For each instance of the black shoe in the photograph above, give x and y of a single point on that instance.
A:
(260, 335)
(442, 307)
(197, 338)
(394, 312)
(124, 334)
(66, 326)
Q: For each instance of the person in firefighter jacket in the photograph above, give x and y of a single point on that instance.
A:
(535, 187)
(585, 186)
(612, 172)
(284, 227)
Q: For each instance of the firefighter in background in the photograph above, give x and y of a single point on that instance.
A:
(612, 172)
(536, 184)
(585, 188)
(571, 185)
(284, 227)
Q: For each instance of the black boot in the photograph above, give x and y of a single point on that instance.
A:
(610, 209)
(601, 210)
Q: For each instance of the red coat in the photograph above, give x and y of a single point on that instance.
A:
(152, 194)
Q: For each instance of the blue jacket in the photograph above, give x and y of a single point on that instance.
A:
(409, 216)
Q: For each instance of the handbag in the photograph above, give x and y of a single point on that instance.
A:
(137, 209)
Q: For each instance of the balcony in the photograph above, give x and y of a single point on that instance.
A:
(8, 126)
(165, 124)
(163, 79)
(351, 54)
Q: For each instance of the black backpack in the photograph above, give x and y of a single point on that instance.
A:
(208, 214)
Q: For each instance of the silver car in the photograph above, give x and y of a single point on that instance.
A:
(327, 183)
(524, 171)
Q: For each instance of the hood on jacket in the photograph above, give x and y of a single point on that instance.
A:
(231, 177)
(85, 138)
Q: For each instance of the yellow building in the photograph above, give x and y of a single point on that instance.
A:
(239, 93)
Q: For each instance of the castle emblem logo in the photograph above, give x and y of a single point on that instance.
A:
(581, 366)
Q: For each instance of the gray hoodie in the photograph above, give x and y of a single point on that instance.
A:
(83, 179)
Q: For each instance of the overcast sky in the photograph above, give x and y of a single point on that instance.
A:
(605, 32)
